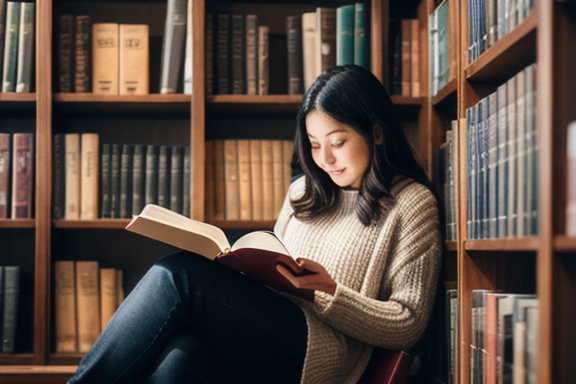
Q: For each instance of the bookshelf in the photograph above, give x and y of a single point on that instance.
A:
(168, 119)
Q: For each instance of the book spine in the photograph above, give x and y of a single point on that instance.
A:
(361, 37)
(11, 46)
(105, 181)
(219, 181)
(23, 174)
(187, 187)
(87, 304)
(5, 167)
(176, 178)
(209, 185)
(238, 54)
(223, 54)
(11, 301)
(151, 189)
(256, 185)
(406, 70)
(65, 306)
(278, 176)
(251, 54)
(59, 199)
(89, 175)
(267, 181)
(3, 5)
(295, 61)
(309, 36)
(134, 59)
(173, 46)
(105, 58)
(345, 35)
(115, 173)
(126, 180)
(245, 179)
(72, 176)
(209, 63)
(231, 177)
(326, 41)
(187, 86)
(138, 179)
(108, 295)
(415, 58)
(164, 176)
(65, 53)
(25, 58)
(83, 54)
(263, 60)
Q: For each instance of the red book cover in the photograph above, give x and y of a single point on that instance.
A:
(22, 171)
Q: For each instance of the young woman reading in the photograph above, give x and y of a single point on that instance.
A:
(362, 217)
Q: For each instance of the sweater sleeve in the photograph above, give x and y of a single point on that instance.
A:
(398, 319)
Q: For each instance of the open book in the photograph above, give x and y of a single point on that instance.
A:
(255, 254)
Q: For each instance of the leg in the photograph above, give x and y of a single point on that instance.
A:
(186, 359)
(256, 334)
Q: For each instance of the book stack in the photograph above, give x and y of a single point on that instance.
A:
(9, 298)
(17, 42)
(503, 338)
(405, 57)
(491, 20)
(332, 36)
(502, 161)
(445, 180)
(247, 179)
(86, 296)
(236, 55)
(134, 175)
(102, 58)
(16, 175)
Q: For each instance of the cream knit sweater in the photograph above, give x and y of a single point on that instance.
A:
(386, 276)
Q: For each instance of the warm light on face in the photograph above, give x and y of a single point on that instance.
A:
(338, 149)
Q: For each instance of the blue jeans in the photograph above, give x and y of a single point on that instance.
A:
(192, 320)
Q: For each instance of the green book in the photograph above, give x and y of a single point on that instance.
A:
(11, 46)
(345, 35)
(25, 56)
(361, 36)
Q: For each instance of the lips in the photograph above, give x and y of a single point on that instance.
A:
(336, 172)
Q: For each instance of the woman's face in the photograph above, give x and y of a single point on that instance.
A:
(338, 149)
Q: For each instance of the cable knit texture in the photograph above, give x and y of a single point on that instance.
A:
(386, 276)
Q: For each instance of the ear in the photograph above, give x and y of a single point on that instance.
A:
(378, 136)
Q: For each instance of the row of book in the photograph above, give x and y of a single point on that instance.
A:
(17, 26)
(86, 296)
(117, 180)
(9, 298)
(446, 182)
(442, 54)
(502, 161)
(16, 175)
(237, 52)
(405, 58)
(247, 179)
(490, 20)
(503, 338)
(114, 58)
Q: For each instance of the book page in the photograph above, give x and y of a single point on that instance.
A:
(264, 240)
(180, 231)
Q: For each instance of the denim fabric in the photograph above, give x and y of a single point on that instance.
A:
(192, 320)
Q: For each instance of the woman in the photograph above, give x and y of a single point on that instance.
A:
(361, 217)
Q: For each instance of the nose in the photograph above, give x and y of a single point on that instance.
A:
(328, 156)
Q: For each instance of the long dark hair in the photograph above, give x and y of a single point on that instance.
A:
(354, 96)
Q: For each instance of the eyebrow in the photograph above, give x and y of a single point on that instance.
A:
(329, 133)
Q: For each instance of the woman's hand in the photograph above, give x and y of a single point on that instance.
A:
(319, 279)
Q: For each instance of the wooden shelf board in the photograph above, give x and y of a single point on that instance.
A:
(520, 244)
(564, 243)
(451, 245)
(17, 223)
(88, 103)
(248, 104)
(13, 96)
(507, 56)
(92, 224)
(32, 374)
(445, 92)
